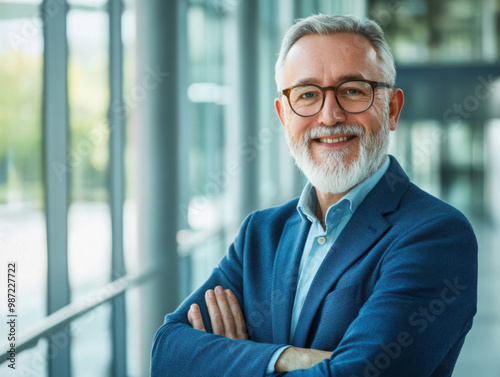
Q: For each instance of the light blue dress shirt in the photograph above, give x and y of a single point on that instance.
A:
(319, 241)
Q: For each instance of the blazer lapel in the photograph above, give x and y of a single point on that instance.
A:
(285, 276)
(346, 250)
(364, 228)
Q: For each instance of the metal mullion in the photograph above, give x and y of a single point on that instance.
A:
(117, 182)
(56, 175)
(157, 43)
(247, 39)
(184, 136)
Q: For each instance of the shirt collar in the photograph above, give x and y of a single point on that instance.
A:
(308, 199)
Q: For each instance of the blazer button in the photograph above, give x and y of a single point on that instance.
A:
(321, 240)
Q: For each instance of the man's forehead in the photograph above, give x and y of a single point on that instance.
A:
(347, 77)
(342, 55)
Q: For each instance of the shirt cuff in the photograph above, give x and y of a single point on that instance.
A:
(272, 362)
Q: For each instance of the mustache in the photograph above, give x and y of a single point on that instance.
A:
(351, 129)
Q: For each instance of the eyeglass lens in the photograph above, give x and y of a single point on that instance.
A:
(352, 96)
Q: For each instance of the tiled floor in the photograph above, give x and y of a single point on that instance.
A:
(480, 355)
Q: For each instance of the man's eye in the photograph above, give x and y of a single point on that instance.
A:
(308, 95)
(352, 92)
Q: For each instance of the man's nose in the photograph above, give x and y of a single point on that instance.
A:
(331, 113)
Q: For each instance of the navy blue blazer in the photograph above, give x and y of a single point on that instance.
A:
(394, 297)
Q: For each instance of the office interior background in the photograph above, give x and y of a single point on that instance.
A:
(136, 135)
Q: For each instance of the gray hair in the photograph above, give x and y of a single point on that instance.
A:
(322, 24)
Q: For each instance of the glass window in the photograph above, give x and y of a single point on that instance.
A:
(22, 217)
(422, 31)
(134, 262)
(204, 135)
(91, 344)
(89, 224)
(492, 167)
(87, 3)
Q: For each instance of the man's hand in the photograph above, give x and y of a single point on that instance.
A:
(225, 314)
(227, 320)
(294, 358)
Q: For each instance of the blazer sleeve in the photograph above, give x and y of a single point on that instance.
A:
(420, 310)
(179, 350)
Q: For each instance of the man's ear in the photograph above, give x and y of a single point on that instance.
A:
(278, 105)
(396, 102)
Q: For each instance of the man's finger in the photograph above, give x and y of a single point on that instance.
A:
(195, 319)
(226, 313)
(239, 319)
(214, 313)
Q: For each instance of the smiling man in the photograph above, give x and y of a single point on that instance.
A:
(364, 274)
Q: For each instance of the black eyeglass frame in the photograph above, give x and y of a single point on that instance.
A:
(373, 84)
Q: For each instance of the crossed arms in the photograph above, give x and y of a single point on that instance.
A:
(412, 322)
(227, 320)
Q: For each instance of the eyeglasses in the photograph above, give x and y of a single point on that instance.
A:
(353, 96)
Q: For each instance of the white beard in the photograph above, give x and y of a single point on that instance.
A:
(333, 176)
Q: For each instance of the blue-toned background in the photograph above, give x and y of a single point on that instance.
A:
(136, 135)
